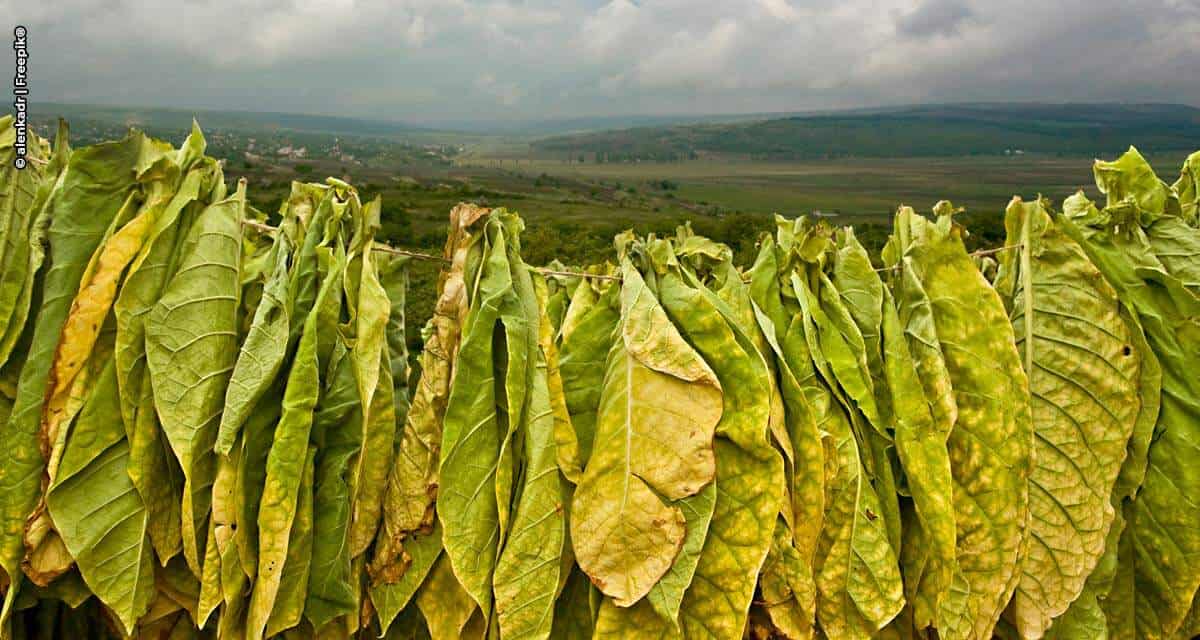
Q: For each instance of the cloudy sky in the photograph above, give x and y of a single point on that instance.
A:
(431, 60)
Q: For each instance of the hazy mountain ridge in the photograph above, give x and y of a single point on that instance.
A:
(151, 118)
(913, 131)
(880, 132)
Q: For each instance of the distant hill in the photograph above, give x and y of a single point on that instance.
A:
(542, 127)
(918, 131)
(163, 119)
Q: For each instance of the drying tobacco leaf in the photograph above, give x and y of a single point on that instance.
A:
(625, 527)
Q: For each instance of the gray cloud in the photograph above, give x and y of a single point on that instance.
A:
(431, 60)
(935, 17)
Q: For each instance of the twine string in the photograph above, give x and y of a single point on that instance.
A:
(416, 255)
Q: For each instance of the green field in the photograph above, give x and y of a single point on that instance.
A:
(920, 131)
(867, 189)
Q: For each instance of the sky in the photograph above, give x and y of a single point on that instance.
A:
(429, 61)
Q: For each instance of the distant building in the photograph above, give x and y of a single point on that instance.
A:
(292, 153)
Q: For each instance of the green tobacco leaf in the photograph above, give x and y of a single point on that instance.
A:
(1177, 246)
(1137, 195)
(211, 596)
(409, 625)
(857, 577)
(587, 337)
(1085, 617)
(624, 534)
(155, 472)
(337, 425)
(749, 470)
(177, 583)
(861, 293)
(856, 572)
(1163, 521)
(191, 339)
(262, 352)
(519, 318)
(370, 483)
(394, 274)
(914, 363)
(1133, 469)
(475, 431)
(782, 582)
(838, 352)
(748, 501)
(1084, 384)
(580, 301)
(1120, 603)
(449, 610)
(373, 373)
(93, 188)
(285, 464)
(566, 440)
(82, 330)
(667, 595)
(1188, 189)
(97, 510)
(220, 529)
(639, 620)
(921, 447)
(861, 297)
(225, 513)
(857, 580)
(293, 584)
(257, 434)
(778, 322)
(391, 598)
(915, 313)
(990, 445)
(153, 468)
(22, 226)
(173, 212)
(559, 289)
(574, 616)
(836, 342)
(527, 570)
(1129, 182)
(314, 203)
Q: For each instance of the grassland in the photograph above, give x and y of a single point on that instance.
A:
(848, 191)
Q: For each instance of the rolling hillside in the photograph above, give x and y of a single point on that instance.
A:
(920, 131)
(159, 118)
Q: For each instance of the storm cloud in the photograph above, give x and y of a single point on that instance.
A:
(439, 60)
(934, 18)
